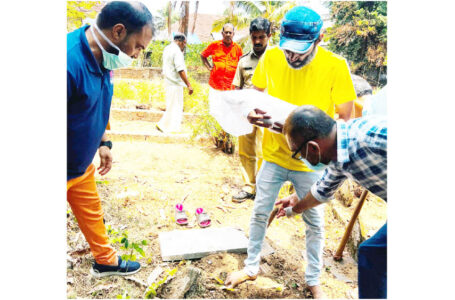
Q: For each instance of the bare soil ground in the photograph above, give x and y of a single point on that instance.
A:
(138, 196)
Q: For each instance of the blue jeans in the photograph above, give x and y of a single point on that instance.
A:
(373, 266)
(269, 180)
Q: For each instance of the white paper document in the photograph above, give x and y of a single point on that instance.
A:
(231, 108)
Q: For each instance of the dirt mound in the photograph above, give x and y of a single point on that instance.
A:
(283, 280)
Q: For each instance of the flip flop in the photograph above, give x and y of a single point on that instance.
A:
(203, 219)
(180, 215)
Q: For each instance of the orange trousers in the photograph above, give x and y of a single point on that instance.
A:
(86, 205)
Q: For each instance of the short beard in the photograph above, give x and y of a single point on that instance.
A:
(297, 65)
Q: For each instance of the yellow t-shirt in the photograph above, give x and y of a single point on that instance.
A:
(324, 82)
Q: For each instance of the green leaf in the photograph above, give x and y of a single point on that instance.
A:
(151, 291)
(126, 244)
(119, 297)
(123, 240)
(172, 272)
(138, 249)
(144, 242)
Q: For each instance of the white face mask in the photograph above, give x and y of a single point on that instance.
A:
(110, 60)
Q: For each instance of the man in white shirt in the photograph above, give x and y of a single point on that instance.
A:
(174, 71)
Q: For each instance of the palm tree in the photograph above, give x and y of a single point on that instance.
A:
(240, 14)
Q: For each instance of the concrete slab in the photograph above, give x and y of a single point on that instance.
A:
(197, 243)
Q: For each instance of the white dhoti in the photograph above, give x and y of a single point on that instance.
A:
(172, 118)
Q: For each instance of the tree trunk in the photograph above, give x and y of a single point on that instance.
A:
(184, 17)
(195, 16)
(169, 17)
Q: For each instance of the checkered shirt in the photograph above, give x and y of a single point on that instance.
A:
(361, 156)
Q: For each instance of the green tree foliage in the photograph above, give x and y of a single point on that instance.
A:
(77, 11)
(360, 35)
(155, 54)
(241, 13)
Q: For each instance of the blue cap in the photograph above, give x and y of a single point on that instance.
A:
(300, 29)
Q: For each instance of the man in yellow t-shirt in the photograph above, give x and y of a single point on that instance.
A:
(299, 72)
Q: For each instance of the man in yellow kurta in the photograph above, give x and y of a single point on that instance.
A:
(299, 72)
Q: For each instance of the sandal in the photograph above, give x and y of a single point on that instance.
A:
(203, 219)
(180, 215)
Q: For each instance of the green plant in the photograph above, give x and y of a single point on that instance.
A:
(152, 92)
(193, 54)
(125, 90)
(123, 296)
(143, 91)
(153, 288)
(153, 54)
(241, 13)
(360, 35)
(122, 239)
(78, 11)
(198, 104)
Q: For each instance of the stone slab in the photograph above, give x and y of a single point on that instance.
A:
(197, 243)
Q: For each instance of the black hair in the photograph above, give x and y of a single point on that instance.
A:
(228, 24)
(309, 122)
(134, 15)
(260, 24)
(179, 37)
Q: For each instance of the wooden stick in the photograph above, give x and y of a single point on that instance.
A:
(272, 215)
(339, 254)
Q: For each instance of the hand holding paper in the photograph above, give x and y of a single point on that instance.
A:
(260, 118)
(236, 110)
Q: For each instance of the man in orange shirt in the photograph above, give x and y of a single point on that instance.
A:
(225, 56)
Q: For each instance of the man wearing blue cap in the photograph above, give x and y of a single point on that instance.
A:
(302, 73)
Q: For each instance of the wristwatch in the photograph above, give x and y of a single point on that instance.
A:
(106, 143)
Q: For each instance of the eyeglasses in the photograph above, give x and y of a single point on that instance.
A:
(297, 154)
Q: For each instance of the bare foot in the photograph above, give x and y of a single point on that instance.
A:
(317, 292)
(236, 278)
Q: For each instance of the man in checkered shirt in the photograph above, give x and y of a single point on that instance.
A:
(356, 149)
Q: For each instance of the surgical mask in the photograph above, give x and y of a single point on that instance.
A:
(110, 60)
(318, 167)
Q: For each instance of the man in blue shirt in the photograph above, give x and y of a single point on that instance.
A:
(121, 31)
(356, 149)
